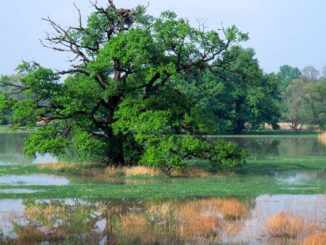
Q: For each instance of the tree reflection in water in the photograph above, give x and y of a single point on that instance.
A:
(196, 221)
(129, 222)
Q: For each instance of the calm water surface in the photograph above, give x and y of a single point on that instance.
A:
(262, 147)
(259, 147)
(196, 221)
(33, 179)
(11, 151)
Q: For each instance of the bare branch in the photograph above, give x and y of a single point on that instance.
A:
(79, 17)
(73, 71)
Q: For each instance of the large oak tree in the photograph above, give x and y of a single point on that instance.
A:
(120, 100)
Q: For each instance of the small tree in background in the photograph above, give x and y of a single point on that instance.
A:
(306, 103)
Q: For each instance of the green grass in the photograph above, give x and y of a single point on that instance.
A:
(283, 164)
(252, 180)
(22, 169)
(175, 188)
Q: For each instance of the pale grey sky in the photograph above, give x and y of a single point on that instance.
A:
(281, 31)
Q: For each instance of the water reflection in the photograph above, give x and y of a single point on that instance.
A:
(286, 146)
(18, 191)
(11, 152)
(300, 180)
(201, 221)
(45, 158)
(298, 177)
(259, 147)
(11, 145)
(33, 179)
(10, 212)
(310, 208)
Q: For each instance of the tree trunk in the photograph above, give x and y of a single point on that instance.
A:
(239, 126)
(118, 157)
(115, 151)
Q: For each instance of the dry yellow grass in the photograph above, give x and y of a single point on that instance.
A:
(197, 172)
(113, 171)
(199, 225)
(141, 171)
(130, 171)
(210, 205)
(53, 166)
(199, 217)
(191, 172)
(315, 239)
(322, 138)
(29, 235)
(285, 225)
(231, 228)
(200, 206)
(187, 211)
(134, 224)
(233, 209)
(49, 210)
(163, 211)
(186, 221)
(152, 172)
(194, 221)
(32, 211)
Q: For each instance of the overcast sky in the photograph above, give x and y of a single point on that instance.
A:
(281, 31)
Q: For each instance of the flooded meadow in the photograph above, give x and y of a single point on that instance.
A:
(291, 210)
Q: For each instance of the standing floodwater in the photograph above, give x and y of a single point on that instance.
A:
(276, 189)
(282, 146)
(194, 221)
(11, 151)
(259, 147)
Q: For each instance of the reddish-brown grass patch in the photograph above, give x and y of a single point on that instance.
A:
(284, 225)
(233, 209)
(315, 239)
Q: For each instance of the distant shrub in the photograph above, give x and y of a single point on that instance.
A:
(228, 155)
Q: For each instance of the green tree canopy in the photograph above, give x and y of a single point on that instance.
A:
(121, 101)
(237, 93)
(11, 87)
(287, 74)
(306, 103)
